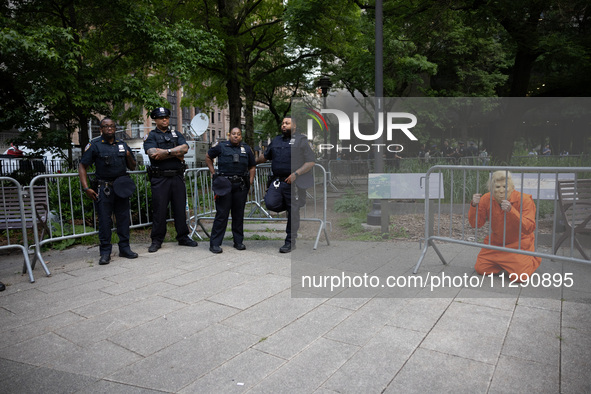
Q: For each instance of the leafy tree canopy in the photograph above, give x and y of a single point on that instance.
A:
(67, 61)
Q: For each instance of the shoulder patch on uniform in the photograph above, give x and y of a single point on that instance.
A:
(215, 144)
(146, 136)
(87, 147)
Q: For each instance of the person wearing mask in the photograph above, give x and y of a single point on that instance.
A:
(513, 222)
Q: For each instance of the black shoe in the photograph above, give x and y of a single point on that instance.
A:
(128, 253)
(154, 247)
(288, 247)
(215, 249)
(239, 246)
(105, 259)
(2, 286)
(188, 242)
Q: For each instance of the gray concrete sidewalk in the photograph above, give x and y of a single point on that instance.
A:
(184, 320)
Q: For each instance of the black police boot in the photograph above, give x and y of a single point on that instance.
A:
(2, 286)
(154, 247)
(127, 253)
(215, 249)
(188, 242)
(105, 259)
(240, 246)
(287, 247)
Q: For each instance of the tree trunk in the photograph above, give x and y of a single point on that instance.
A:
(249, 96)
(234, 98)
(83, 132)
(504, 139)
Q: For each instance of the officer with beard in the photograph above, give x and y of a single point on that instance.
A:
(112, 158)
(166, 149)
(291, 161)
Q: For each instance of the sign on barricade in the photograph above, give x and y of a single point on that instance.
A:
(404, 186)
(545, 183)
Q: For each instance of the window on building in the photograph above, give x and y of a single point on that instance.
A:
(95, 128)
(212, 118)
(219, 116)
(136, 130)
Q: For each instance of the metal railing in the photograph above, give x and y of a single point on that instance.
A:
(13, 165)
(72, 214)
(8, 203)
(202, 205)
(461, 182)
(348, 173)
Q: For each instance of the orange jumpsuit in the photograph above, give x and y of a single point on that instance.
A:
(493, 261)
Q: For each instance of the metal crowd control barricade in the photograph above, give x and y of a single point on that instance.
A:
(14, 217)
(72, 214)
(202, 204)
(463, 181)
(200, 199)
(348, 172)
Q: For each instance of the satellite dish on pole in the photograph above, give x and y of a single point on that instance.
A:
(199, 124)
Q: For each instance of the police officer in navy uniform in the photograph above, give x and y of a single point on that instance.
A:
(166, 149)
(112, 158)
(291, 161)
(236, 170)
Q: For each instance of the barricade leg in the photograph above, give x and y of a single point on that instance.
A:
(424, 252)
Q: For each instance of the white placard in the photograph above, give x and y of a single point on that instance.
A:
(404, 186)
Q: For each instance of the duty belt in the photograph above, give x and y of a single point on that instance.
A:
(235, 178)
(106, 185)
(157, 173)
(281, 176)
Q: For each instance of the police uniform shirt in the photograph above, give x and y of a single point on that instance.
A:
(164, 140)
(110, 159)
(287, 154)
(225, 152)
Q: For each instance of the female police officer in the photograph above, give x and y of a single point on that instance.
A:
(236, 170)
(112, 158)
(166, 149)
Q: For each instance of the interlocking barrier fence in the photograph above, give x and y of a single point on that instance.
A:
(72, 215)
(12, 204)
(204, 205)
(344, 174)
(461, 182)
